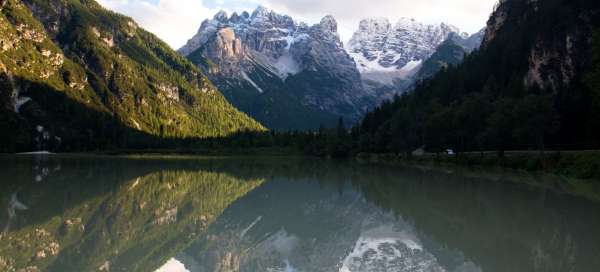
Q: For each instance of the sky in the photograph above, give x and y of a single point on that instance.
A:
(176, 21)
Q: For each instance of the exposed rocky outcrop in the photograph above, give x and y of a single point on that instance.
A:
(555, 58)
(264, 60)
(389, 57)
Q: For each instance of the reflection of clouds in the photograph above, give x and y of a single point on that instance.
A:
(391, 249)
(283, 245)
(14, 205)
(173, 265)
(244, 231)
(43, 168)
(345, 233)
(390, 243)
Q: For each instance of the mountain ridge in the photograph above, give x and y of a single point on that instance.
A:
(390, 56)
(266, 57)
(87, 77)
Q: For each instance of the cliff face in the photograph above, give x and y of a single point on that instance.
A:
(391, 57)
(557, 58)
(281, 72)
(83, 73)
(379, 45)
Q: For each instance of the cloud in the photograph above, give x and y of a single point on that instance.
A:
(174, 21)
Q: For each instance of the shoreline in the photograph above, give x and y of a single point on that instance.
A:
(583, 165)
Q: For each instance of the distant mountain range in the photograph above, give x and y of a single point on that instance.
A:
(76, 76)
(289, 75)
(390, 56)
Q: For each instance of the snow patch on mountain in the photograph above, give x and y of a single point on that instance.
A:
(247, 78)
(265, 49)
(387, 75)
(244, 231)
(384, 52)
(22, 100)
(173, 265)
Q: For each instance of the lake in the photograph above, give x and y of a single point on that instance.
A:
(151, 213)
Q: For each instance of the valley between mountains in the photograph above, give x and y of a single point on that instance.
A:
(289, 75)
(269, 144)
(76, 76)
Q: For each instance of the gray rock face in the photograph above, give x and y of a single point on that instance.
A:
(470, 43)
(390, 56)
(377, 45)
(254, 51)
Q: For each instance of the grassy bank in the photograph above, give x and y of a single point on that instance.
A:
(221, 151)
(574, 164)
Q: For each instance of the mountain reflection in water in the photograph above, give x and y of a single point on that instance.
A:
(69, 213)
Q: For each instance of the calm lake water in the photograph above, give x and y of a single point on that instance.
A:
(67, 213)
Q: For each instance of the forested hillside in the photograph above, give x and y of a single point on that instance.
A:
(534, 84)
(75, 76)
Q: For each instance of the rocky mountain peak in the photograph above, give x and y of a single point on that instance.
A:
(374, 26)
(274, 44)
(390, 56)
(408, 23)
(261, 12)
(378, 47)
(221, 16)
(329, 24)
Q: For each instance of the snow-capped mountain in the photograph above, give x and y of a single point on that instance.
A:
(378, 47)
(281, 72)
(389, 56)
(289, 75)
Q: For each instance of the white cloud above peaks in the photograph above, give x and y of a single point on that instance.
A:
(175, 21)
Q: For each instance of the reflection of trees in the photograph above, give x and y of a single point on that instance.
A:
(125, 226)
(500, 226)
(133, 214)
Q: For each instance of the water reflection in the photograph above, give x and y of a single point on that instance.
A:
(103, 215)
(184, 214)
(14, 205)
(304, 225)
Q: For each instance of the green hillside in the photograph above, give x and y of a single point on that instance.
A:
(92, 79)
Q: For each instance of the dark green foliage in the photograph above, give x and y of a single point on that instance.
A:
(114, 205)
(447, 54)
(489, 103)
(592, 84)
(96, 80)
